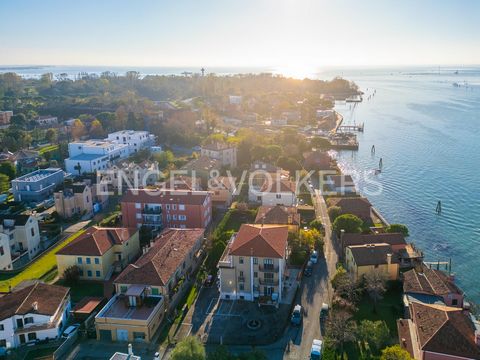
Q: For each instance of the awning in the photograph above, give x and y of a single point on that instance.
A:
(135, 290)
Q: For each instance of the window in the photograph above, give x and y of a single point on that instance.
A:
(123, 288)
(3, 343)
(2, 252)
(89, 273)
(278, 196)
(255, 260)
(455, 302)
(138, 335)
(268, 261)
(181, 207)
(97, 273)
(240, 260)
(154, 291)
(241, 287)
(80, 272)
(79, 260)
(32, 336)
(2, 327)
(241, 273)
(97, 260)
(174, 206)
(255, 274)
(88, 261)
(182, 217)
(139, 216)
(138, 206)
(32, 230)
(28, 320)
(167, 206)
(268, 276)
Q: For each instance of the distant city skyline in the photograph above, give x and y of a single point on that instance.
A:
(294, 35)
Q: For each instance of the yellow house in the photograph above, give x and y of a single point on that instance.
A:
(223, 189)
(363, 259)
(99, 252)
(279, 215)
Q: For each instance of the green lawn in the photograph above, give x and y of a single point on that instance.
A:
(39, 267)
(47, 148)
(82, 289)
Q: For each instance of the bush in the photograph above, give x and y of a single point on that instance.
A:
(348, 222)
(334, 212)
(71, 274)
(397, 228)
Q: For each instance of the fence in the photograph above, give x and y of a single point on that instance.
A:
(66, 347)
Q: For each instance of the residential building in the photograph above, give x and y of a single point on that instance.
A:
(358, 206)
(363, 259)
(202, 168)
(38, 185)
(279, 215)
(45, 121)
(406, 253)
(160, 208)
(439, 332)
(253, 265)
(261, 172)
(225, 153)
(27, 161)
(150, 286)
(23, 239)
(340, 184)
(136, 140)
(128, 356)
(321, 113)
(181, 182)
(130, 174)
(100, 252)
(5, 117)
(277, 192)
(92, 155)
(431, 286)
(74, 200)
(5, 255)
(35, 312)
(223, 190)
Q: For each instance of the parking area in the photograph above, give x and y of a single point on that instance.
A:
(215, 320)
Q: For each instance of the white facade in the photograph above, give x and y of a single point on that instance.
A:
(278, 198)
(136, 140)
(46, 120)
(23, 329)
(92, 155)
(226, 155)
(5, 255)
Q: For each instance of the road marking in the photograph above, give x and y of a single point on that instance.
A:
(212, 305)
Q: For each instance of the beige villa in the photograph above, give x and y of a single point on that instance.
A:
(363, 259)
(253, 264)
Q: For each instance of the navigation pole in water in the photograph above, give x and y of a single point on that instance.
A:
(438, 210)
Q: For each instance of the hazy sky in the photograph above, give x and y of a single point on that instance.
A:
(283, 33)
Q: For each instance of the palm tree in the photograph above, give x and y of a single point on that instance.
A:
(78, 167)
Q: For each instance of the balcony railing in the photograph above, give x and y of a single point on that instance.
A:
(268, 268)
(148, 211)
(272, 282)
(241, 279)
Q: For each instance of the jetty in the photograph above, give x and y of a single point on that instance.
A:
(350, 128)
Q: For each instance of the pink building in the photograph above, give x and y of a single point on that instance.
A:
(160, 208)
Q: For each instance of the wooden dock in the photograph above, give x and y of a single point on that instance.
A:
(350, 128)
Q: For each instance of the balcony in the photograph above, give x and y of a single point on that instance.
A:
(241, 279)
(268, 268)
(271, 282)
(152, 211)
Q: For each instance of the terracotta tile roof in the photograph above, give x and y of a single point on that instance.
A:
(445, 330)
(397, 240)
(405, 335)
(317, 160)
(284, 215)
(162, 196)
(340, 181)
(47, 297)
(372, 254)
(158, 265)
(182, 183)
(276, 186)
(261, 165)
(96, 241)
(428, 281)
(222, 182)
(262, 241)
(358, 206)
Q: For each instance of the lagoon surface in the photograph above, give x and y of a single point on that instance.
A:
(427, 132)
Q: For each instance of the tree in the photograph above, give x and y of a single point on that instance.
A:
(375, 333)
(78, 129)
(340, 329)
(19, 120)
(320, 143)
(397, 228)
(189, 348)
(96, 129)
(348, 222)
(334, 212)
(7, 168)
(395, 352)
(71, 274)
(78, 167)
(311, 238)
(316, 224)
(344, 286)
(51, 135)
(375, 285)
(164, 158)
(4, 183)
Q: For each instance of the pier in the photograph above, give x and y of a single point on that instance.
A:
(350, 128)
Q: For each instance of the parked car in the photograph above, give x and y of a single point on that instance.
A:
(70, 331)
(297, 315)
(316, 352)
(308, 269)
(314, 257)
(324, 311)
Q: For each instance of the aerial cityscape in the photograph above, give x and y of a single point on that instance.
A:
(239, 180)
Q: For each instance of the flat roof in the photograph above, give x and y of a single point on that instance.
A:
(86, 157)
(38, 175)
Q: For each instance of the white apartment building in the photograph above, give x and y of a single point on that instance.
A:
(23, 235)
(32, 313)
(225, 153)
(92, 155)
(136, 140)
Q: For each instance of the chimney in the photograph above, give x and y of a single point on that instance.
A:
(130, 350)
(35, 306)
(389, 259)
